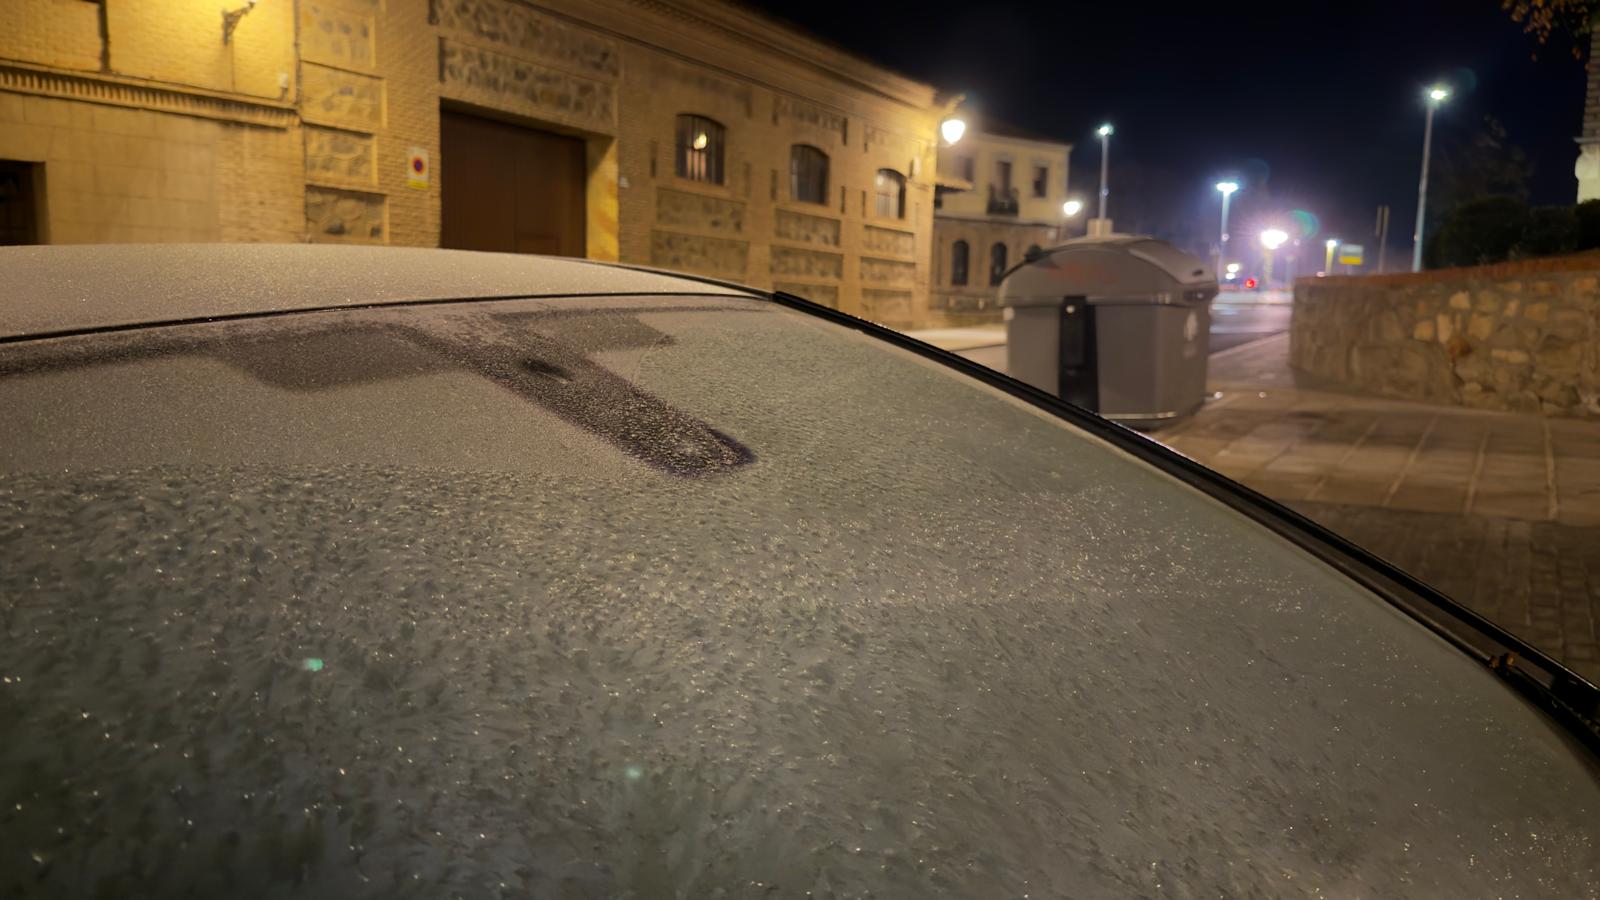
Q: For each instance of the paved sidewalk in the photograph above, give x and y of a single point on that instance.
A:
(1298, 443)
(1538, 580)
(1498, 510)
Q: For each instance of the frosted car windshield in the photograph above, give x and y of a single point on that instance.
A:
(692, 597)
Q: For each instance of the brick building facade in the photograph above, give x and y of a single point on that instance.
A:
(696, 136)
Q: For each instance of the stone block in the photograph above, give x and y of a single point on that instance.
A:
(336, 97)
(1387, 327)
(348, 217)
(807, 229)
(1460, 300)
(1538, 312)
(1480, 326)
(888, 307)
(527, 86)
(1445, 327)
(1487, 302)
(340, 156)
(1563, 396)
(698, 253)
(1513, 333)
(1569, 323)
(530, 32)
(1422, 331)
(1523, 401)
(1559, 357)
(333, 35)
(681, 209)
(888, 240)
(887, 271)
(797, 263)
(825, 294)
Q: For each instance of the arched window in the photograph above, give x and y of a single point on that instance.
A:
(958, 262)
(997, 263)
(808, 174)
(890, 190)
(701, 144)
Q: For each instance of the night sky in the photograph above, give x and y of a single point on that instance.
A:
(1314, 106)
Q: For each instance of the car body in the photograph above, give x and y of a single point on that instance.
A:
(349, 571)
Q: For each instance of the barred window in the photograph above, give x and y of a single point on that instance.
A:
(701, 144)
(959, 253)
(997, 263)
(890, 190)
(808, 174)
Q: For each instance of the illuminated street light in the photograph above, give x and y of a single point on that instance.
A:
(1272, 239)
(1332, 244)
(1071, 208)
(1104, 130)
(1436, 95)
(1227, 188)
(952, 129)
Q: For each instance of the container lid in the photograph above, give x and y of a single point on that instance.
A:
(1111, 267)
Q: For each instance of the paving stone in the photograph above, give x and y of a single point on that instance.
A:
(1466, 554)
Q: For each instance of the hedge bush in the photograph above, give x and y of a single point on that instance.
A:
(1496, 229)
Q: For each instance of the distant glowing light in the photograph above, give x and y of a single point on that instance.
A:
(1273, 238)
(1233, 268)
(311, 664)
(952, 129)
(1438, 94)
(1104, 130)
(1071, 208)
(700, 141)
(1331, 243)
(1227, 187)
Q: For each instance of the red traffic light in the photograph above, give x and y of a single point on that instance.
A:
(1250, 284)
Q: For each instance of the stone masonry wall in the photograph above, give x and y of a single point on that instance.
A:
(1521, 336)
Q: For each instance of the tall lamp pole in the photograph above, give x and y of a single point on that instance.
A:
(1271, 239)
(1332, 244)
(1436, 95)
(1227, 188)
(1105, 157)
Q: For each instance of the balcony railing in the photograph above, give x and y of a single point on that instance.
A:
(1002, 201)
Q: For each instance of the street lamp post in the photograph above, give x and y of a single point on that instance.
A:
(1436, 95)
(1271, 239)
(1227, 188)
(1105, 156)
(1069, 210)
(1332, 244)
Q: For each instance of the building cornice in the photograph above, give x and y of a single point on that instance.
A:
(138, 93)
(724, 36)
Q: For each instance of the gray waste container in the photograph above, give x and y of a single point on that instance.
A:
(1117, 324)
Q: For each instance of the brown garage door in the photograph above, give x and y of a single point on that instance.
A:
(510, 189)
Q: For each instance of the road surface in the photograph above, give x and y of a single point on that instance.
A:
(1235, 319)
(1234, 323)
